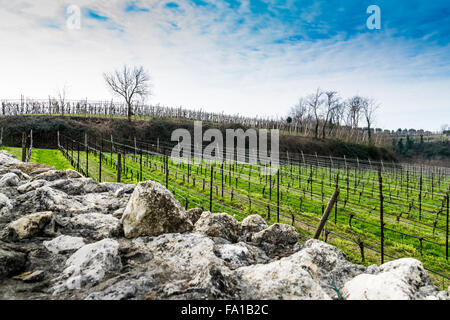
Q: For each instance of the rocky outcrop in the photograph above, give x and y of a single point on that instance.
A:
(68, 237)
(152, 211)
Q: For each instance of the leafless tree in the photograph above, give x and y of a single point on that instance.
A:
(354, 107)
(331, 102)
(299, 112)
(129, 83)
(314, 102)
(62, 93)
(369, 108)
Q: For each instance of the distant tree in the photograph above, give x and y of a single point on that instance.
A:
(400, 145)
(289, 120)
(369, 108)
(314, 102)
(409, 143)
(331, 102)
(299, 112)
(354, 107)
(129, 83)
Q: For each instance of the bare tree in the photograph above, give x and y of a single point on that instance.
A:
(369, 107)
(354, 107)
(331, 102)
(299, 112)
(62, 93)
(129, 83)
(314, 102)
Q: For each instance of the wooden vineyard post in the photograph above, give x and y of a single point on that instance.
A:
(100, 164)
(221, 170)
(380, 180)
(278, 195)
(325, 215)
(30, 149)
(78, 156)
(211, 189)
(24, 144)
(167, 170)
(140, 166)
(336, 206)
(446, 230)
(87, 154)
(420, 195)
(119, 166)
(270, 183)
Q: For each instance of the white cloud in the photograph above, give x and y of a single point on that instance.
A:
(210, 61)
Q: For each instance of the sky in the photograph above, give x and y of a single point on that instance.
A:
(249, 57)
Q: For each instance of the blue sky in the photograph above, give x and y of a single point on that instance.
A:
(252, 57)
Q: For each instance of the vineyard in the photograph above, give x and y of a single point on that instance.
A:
(111, 109)
(383, 211)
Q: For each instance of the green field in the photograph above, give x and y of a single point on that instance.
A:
(411, 230)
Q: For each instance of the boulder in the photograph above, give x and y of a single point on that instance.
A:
(254, 223)
(402, 279)
(218, 225)
(9, 180)
(64, 244)
(277, 234)
(284, 279)
(152, 210)
(5, 207)
(240, 254)
(28, 226)
(89, 265)
(52, 175)
(31, 168)
(6, 159)
(93, 225)
(32, 185)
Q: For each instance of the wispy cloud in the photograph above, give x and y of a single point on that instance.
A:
(251, 56)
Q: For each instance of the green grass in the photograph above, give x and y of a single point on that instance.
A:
(51, 157)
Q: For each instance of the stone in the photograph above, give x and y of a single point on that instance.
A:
(31, 276)
(152, 210)
(64, 244)
(53, 175)
(93, 225)
(218, 225)
(11, 262)
(31, 168)
(28, 226)
(186, 267)
(402, 279)
(194, 214)
(5, 207)
(240, 254)
(9, 180)
(254, 223)
(89, 265)
(277, 234)
(282, 279)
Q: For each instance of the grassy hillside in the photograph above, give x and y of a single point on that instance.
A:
(45, 128)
